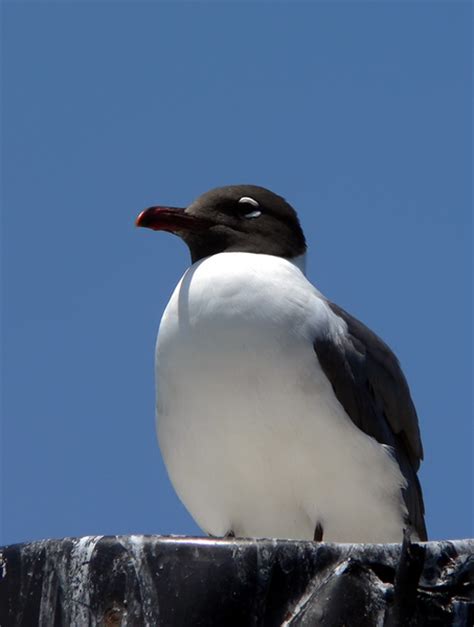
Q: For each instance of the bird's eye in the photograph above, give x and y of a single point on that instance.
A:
(249, 208)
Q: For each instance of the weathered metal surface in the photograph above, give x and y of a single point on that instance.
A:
(172, 581)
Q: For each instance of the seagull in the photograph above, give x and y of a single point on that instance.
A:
(278, 413)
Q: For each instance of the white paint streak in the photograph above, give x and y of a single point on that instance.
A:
(3, 567)
(78, 579)
(134, 545)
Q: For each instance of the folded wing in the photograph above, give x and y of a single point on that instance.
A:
(369, 383)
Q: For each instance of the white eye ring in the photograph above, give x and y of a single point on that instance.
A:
(250, 201)
(253, 214)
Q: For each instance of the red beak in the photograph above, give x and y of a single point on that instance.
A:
(173, 219)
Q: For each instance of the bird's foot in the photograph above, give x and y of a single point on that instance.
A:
(318, 533)
(227, 534)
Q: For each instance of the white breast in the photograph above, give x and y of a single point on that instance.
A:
(251, 432)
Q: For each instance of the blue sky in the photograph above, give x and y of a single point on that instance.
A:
(358, 113)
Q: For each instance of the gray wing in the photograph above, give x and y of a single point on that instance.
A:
(368, 382)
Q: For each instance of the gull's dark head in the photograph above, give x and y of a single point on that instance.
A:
(235, 218)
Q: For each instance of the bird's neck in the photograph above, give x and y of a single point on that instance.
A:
(299, 262)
